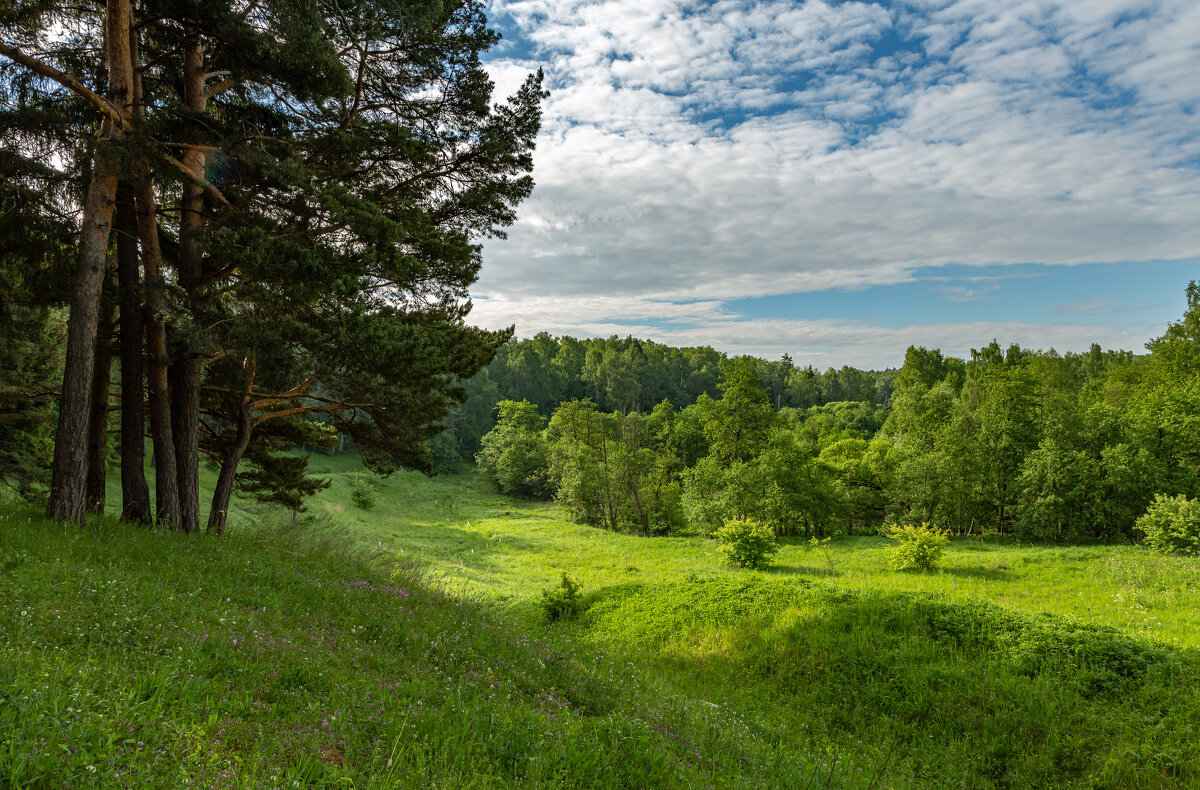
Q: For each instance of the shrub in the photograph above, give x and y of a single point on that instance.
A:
(562, 602)
(1172, 524)
(746, 543)
(514, 453)
(918, 547)
(362, 492)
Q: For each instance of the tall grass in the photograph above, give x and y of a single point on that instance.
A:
(275, 658)
(952, 693)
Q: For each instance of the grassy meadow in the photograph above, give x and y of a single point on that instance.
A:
(482, 544)
(404, 647)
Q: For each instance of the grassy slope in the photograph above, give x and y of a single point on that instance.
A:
(483, 544)
(135, 659)
(1015, 666)
(828, 666)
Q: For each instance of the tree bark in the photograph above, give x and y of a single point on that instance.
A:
(185, 431)
(68, 487)
(166, 479)
(186, 367)
(97, 473)
(135, 493)
(219, 512)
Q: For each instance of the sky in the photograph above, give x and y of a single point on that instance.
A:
(840, 180)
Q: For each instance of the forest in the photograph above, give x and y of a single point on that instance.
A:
(1042, 445)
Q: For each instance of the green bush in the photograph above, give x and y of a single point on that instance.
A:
(362, 492)
(746, 543)
(562, 602)
(1172, 524)
(918, 547)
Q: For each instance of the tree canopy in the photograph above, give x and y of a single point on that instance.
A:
(300, 188)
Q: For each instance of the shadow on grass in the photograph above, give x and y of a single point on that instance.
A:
(990, 574)
(802, 570)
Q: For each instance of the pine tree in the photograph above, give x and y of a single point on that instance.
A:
(332, 164)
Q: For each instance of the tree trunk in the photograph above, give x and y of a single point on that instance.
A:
(186, 367)
(68, 486)
(97, 471)
(135, 493)
(219, 512)
(185, 430)
(166, 480)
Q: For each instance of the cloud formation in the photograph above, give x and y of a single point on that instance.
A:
(709, 151)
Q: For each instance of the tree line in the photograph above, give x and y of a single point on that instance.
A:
(630, 375)
(1038, 444)
(222, 219)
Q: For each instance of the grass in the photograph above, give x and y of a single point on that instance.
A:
(1013, 666)
(276, 659)
(479, 543)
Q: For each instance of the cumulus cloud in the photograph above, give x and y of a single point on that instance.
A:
(700, 152)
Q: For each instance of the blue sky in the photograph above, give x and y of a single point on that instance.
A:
(838, 180)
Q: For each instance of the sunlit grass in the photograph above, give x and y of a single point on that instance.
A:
(483, 544)
(322, 655)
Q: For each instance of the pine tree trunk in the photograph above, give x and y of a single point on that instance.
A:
(185, 430)
(219, 512)
(97, 474)
(135, 493)
(166, 479)
(186, 367)
(68, 487)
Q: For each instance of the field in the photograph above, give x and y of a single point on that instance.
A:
(485, 545)
(404, 646)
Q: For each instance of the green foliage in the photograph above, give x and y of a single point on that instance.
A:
(514, 453)
(563, 602)
(785, 487)
(362, 492)
(840, 420)
(1168, 400)
(1172, 525)
(864, 472)
(738, 426)
(630, 374)
(34, 250)
(616, 470)
(746, 543)
(918, 547)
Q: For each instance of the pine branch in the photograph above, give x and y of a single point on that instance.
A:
(108, 110)
(102, 105)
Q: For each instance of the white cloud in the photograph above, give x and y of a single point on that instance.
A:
(1082, 306)
(822, 343)
(712, 151)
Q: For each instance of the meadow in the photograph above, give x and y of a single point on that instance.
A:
(483, 544)
(404, 646)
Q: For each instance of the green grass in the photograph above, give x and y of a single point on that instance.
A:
(1013, 666)
(482, 544)
(276, 659)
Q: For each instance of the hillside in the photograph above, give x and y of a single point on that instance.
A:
(276, 659)
(404, 647)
